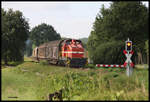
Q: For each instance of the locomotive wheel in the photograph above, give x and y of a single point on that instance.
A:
(60, 63)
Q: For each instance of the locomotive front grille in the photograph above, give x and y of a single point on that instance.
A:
(78, 62)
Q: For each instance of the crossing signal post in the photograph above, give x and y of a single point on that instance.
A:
(128, 52)
(128, 64)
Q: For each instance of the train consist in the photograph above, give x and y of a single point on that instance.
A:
(67, 52)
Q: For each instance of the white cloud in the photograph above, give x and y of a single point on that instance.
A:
(146, 3)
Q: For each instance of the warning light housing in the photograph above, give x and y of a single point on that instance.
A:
(128, 45)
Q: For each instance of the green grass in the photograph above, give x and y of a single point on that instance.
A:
(34, 81)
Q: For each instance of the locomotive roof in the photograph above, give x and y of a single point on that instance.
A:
(55, 42)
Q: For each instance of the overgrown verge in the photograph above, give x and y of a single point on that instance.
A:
(34, 81)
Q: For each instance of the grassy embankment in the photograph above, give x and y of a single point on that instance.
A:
(34, 81)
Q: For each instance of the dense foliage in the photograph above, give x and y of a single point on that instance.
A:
(113, 26)
(15, 30)
(43, 33)
(84, 41)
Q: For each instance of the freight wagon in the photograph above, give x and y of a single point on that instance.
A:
(66, 52)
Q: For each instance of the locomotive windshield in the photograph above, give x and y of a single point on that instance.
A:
(76, 41)
(67, 42)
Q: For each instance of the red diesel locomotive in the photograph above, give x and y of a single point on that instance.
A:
(67, 52)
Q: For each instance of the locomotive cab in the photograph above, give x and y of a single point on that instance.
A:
(73, 50)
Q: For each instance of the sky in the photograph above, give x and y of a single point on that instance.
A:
(69, 19)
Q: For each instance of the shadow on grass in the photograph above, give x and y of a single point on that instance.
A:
(29, 61)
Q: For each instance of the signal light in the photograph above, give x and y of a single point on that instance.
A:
(128, 46)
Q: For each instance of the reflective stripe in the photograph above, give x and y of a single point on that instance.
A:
(101, 65)
(106, 65)
(71, 52)
(111, 65)
(122, 65)
(117, 65)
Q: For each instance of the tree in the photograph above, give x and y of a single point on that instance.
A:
(15, 30)
(43, 33)
(113, 26)
(84, 42)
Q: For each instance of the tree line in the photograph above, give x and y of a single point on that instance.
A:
(17, 38)
(15, 31)
(113, 26)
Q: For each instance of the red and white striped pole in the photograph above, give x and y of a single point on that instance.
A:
(103, 65)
